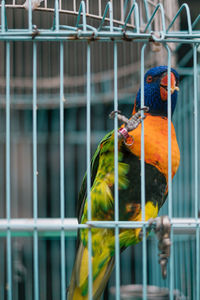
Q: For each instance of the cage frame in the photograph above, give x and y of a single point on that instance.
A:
(89, 34)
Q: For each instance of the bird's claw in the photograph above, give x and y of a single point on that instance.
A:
(130, 124)
(120, 117)
(144, 108)
(162, 228)
(124, 119)
(134, 121)
(112, 114)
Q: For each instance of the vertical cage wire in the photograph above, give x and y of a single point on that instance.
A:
(196, 165)
(30, 24)
(144, 246)
(8, 208)
(62, 191)
(116, 192)
(35, 175)
(170, 169)
(88, 158)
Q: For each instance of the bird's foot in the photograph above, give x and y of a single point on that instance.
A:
(162, 228)
(136, 119)
(120, 117)
(130, 124)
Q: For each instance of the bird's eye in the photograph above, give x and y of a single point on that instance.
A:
(149, 78)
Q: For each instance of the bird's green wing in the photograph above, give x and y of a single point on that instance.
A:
(94, 167)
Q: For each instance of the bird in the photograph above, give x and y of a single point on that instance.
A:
(155, 122)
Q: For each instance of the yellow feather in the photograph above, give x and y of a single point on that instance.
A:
(77, 295)
(84, 267)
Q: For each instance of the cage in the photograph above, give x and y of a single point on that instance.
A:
(63, 63)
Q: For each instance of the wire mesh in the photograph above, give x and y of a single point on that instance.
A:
(39, 250)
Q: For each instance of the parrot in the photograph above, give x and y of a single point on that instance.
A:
(155, 120)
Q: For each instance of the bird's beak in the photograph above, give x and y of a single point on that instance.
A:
(164, 86)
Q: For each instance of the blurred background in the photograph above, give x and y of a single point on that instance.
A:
(48, 131)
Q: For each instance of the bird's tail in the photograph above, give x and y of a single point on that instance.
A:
(102, 267)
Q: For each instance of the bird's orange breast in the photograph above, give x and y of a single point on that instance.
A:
(156, 144)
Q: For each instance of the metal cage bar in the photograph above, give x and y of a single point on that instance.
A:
(35, 175)
(196, 175)
(116, 192)
(8, 186)
(88, 158)
(62, 191)
(170, 167)
(30, 25)
(144, 246)
(70, 225)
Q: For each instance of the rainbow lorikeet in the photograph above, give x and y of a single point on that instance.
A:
(129, 178)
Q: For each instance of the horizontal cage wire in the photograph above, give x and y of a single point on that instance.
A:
(95, 9)
(66, 65)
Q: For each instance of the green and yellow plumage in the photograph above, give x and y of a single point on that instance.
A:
(102, 197)
(102, 209)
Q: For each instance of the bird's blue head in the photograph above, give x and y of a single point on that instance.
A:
(155, 91)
